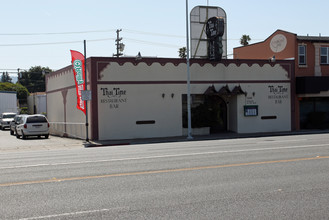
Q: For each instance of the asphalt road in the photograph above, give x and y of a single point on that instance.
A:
(283, 177)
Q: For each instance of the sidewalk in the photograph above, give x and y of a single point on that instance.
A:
(220, 136)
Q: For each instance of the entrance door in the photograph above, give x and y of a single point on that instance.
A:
(218, 113)
(207, 111)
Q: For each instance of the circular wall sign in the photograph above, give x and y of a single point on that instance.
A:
(278, 43)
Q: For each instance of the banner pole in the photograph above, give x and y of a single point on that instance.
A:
(86, 84)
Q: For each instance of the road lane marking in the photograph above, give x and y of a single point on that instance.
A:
(66, 214)
(54, 180)
(164, 156)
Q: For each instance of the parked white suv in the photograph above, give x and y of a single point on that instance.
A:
(5, 119)
(32, 125)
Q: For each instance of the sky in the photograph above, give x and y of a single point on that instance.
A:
(42, 32)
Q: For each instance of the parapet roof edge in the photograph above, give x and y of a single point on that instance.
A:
(177, 61)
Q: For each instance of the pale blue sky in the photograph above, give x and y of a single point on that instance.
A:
(21, 20)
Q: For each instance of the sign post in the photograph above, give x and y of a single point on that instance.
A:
(189, 123)
(87, 124)
(79, 64)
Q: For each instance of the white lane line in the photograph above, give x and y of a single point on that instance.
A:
(165, 156)
(66, 214)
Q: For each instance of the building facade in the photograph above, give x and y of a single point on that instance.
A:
(8, 102)
(147, 98)
(37, 103)
(311, 57)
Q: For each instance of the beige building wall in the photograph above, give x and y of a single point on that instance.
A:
(273, 101)
(65, 119)
(144, 99)
(153, 94)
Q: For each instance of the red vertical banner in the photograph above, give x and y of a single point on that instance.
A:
(78, 64)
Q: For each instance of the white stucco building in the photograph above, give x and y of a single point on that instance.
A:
(147, 98)
(37, 103)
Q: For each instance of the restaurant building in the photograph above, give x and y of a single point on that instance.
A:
(146, 98)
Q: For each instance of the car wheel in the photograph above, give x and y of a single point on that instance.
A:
(47, 136)
(23, 136)
(11, 132)
(17, 135)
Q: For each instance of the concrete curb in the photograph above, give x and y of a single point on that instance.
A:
(222, 136)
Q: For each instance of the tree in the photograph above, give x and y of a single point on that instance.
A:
(182, 52)
(22, 92)
(6, 86)
(34, 78)
(5, 77)
(244, 40)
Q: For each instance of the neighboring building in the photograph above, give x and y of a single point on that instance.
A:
(37, 103)
(311, 56)
(147, 98)
(8, 101)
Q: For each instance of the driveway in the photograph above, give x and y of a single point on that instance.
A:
(9, 143)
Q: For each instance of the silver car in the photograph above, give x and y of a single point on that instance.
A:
(32, 125)
(5, 119)
(14, 123)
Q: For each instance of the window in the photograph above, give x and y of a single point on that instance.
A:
(324, 55)
(302, 54)
(9, 116)
(36, 119)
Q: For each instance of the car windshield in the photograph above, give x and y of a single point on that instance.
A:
(36, 119)
(8, 116)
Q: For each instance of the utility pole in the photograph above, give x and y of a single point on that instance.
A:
(189, 115)
(18, 75)
(120, 46)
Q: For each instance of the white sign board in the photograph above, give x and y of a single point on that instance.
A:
(198, 20)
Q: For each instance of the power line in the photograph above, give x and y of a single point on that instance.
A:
(92, 31)
(95, 40)
(38, 44)
(170, 35)
(55, 33)
(53, 43)
(102, 31)
(152, 43)
(10, 69)
(152, 33)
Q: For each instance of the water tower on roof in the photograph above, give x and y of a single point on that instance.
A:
(198, 21)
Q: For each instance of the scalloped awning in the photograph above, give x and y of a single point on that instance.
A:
(224, 91)
(238, 91)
